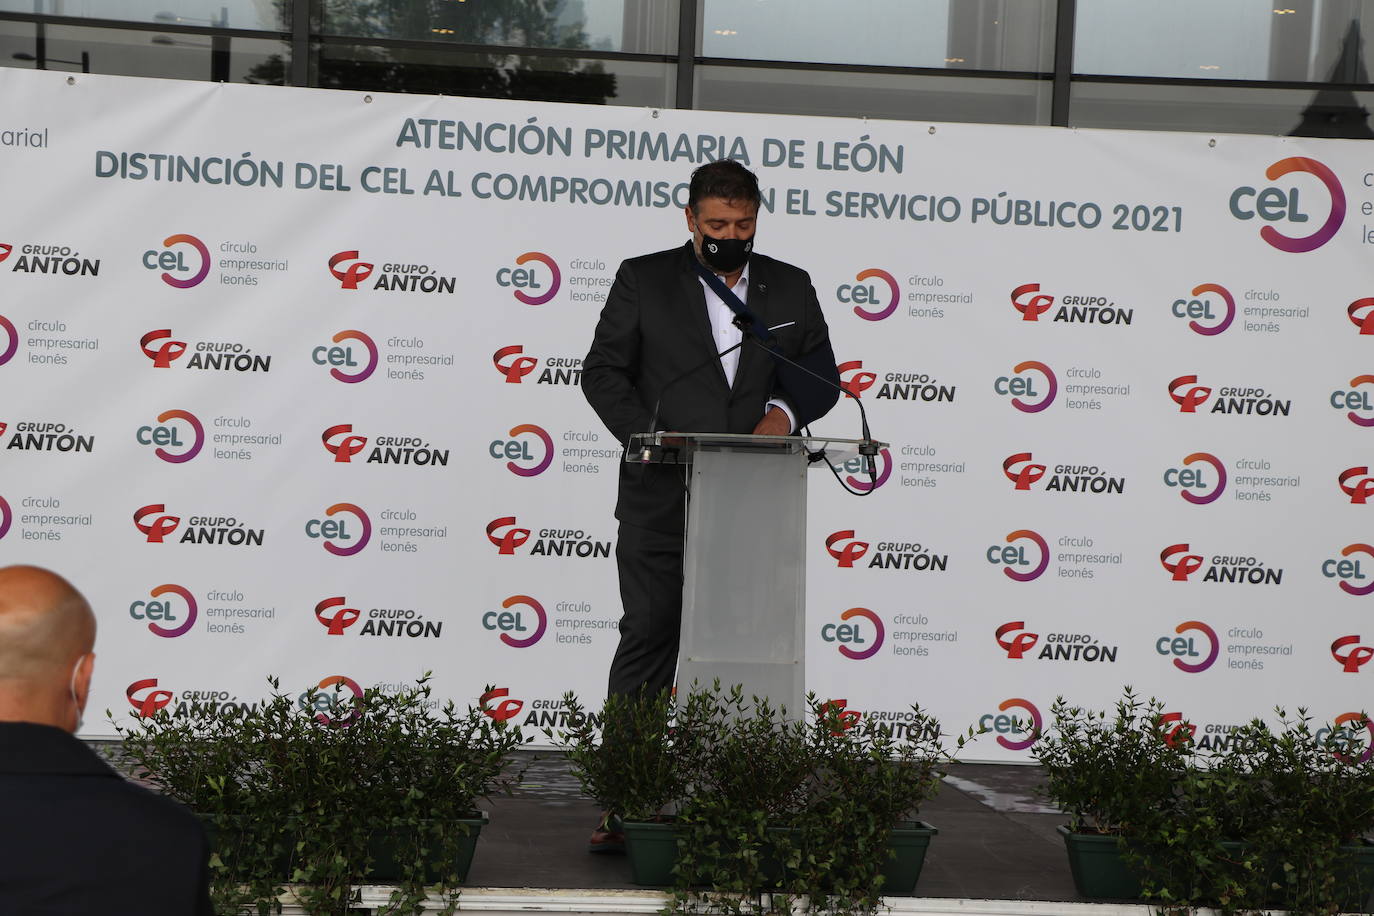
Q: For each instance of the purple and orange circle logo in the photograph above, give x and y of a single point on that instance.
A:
(555, 280)
(1335, 216)
(884, 471)
(1345, 725)
(169, 259)
(851, 634)
(1189, 479)
(336, 700)
(1209, 656)
(168, 434)
(1199, 307)
(189, 612)
(9, 342)
(367, 369)
(539, 615)
(1025, 534)
(860, 294)
(1025, 397)
(338, 531)
(518, 449)
(1350, 569)
(6, 517)
(1036, 724)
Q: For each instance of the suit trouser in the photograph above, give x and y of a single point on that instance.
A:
(650, 567)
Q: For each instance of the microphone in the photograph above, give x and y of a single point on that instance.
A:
(646, 454)
(867, 447)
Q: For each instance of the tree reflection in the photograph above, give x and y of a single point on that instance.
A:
(502, 72)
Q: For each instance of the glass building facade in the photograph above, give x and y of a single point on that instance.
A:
(1297, 67)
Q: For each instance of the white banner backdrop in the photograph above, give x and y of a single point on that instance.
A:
(290, 380)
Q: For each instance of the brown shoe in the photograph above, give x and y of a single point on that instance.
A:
(609, 836)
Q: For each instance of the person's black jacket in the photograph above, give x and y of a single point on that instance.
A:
(76, 838)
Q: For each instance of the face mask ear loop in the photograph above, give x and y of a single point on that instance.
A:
(80, 713)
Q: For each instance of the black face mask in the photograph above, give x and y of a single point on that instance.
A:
(725, 255)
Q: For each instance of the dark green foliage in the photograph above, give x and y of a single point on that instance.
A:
(292, 797)
(1264, 819)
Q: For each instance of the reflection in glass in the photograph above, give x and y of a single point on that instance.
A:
(232, 14)
(982, 34)
(1223, 109)
(875, 95)
(1296, 40)
(134, 52)
(502, 76)
(602, 25)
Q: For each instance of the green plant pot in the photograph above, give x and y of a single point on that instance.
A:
(908, 841)
(1098, 867)
(651, 847)
(231, 838)
(385, 850)
(1355, 879)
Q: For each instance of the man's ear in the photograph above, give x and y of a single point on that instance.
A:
(83, 679)
(691, 219)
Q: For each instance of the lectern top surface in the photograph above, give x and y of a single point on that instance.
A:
(667, 446)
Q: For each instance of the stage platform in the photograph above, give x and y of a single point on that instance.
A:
(997, 853)
(997, 838)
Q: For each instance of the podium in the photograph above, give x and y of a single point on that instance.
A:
(744, 565)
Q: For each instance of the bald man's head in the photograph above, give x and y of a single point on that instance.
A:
(46, 627)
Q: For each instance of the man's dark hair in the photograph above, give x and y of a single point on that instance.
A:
(726, 179)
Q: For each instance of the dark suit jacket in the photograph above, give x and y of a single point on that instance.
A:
(76, 838)
(654, 328)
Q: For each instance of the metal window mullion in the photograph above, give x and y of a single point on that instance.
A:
(1063, 62)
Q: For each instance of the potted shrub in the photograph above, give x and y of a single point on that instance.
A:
(1266, 818)
(326, 785)
(1109, 776)
(1274, 818)
(628, 759)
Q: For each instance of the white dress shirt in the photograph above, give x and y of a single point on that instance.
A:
(726, 335)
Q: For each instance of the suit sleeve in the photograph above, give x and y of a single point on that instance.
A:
(611, 369)
(810, 397)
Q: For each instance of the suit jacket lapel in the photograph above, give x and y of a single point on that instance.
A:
(693, 303)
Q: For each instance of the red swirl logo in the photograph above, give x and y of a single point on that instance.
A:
(1188, 394)
(1179, 563)
(1018, 645)
(860, 381)
(335, 616)
(845, 553)
(349, 277)
(1030, 302)
(153, 523)
(1352, 661)
(510, 362)
(163, 355)
(341, 444)
(1021, 472)
(146, 704)
(506, 710)
(512, 538)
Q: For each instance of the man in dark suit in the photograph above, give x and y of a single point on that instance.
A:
(77, 837)
(661, 324)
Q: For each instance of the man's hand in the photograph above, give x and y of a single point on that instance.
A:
(774, 423)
